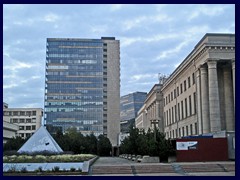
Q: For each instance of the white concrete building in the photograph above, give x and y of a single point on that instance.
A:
(28, 120)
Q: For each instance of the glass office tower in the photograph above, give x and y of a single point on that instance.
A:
(130, 105)
(82, 83)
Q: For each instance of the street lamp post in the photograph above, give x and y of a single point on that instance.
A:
(154, 122)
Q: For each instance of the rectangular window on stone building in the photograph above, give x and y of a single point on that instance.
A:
(173, 120)
(28, 127)
(178, 111)
(179, 132)
(167, 118)
(175, 114)
(186, 110)
(191, 132)
(174, 93)
(33, 127)
(170, 119)
(189, 82)
(181, 88)
(193, 78)
(21, 127)
(183, 134)
(28, 120)
(185, 85)
(15, 121)
(182, 110)
(34, 113)
(194, 103)
(171, 96)
(22, 113)
(177, 91)
(196, 130)
(186, 130)
(190, 105)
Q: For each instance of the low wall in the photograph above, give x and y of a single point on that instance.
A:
(202, 149)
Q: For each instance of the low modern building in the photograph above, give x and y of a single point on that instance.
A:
(28, 120)
(9, 131)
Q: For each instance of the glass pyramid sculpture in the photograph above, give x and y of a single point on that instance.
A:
(40, 141)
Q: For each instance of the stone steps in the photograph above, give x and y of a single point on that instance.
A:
(154, 169)
(202, 168)
(111, 170)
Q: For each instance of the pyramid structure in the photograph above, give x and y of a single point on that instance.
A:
(40, 141)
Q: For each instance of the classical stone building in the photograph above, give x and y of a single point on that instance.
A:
(199, 96)
(150, 114)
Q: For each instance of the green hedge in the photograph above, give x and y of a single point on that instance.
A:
(43, 159)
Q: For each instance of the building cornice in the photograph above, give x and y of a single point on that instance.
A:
(200, 49)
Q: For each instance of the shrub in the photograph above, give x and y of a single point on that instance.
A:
(72, 169)
(24, 170)
(40, 158)
(40, 169)
(12, 169)
(55, 169)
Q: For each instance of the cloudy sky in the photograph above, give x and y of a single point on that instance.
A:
(153, 39)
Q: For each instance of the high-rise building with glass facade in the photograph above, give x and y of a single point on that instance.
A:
(82, 86)
(130, 105)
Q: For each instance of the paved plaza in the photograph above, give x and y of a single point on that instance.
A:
(115, 166)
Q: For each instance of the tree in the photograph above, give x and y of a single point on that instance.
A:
(14, 144)
(152, 143)
(91, 143)
(104, 146)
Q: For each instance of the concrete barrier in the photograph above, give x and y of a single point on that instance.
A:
(172, 159)
(148, 159)
(87, 164)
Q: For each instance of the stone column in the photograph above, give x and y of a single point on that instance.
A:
(214, 106)
(199, 109)
(205, 102)
(228, 97)
(233, 79)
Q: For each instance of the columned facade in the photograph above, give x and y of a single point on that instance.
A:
(150, 115)
(233, 78)
(204, 84)
(214, 107)
(205, 103)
